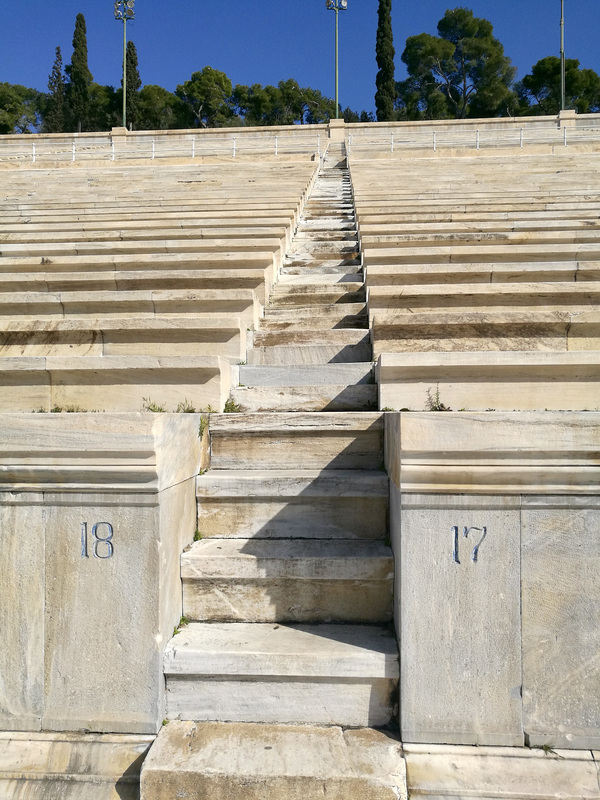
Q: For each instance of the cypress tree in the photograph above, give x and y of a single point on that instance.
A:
(54, 119)
(384, 51)
(80, 78)
(134, 82)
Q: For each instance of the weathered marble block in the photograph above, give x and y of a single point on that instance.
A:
(560, 552)
(460, 621)
(94, 513)
(495, 522)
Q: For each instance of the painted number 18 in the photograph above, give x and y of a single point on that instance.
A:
(102, 545)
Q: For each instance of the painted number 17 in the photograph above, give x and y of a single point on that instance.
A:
(465, 533)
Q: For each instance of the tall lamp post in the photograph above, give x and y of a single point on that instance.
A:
(562, 55)
(124, 11)
(337, 6)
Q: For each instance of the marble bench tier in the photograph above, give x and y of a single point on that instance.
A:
(504, 381)
(156, 336)
(486, 272)
(113, 383)
(419, 332)
(240, 303)
(386, 301)
(94, 280)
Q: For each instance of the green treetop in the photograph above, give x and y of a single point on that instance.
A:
(461, 73)
(384, 52)
(542, 87)
(134, 82)
(80, 78)
(54, 117)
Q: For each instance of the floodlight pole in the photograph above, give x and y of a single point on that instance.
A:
(124, 71)
(562, 56)
(123, 10)
(337, 6)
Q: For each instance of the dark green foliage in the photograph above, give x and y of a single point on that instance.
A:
(80, 79)
(160, 110)
(20, 108)
(134, 83)
(460, 73)
(55, 111)
(105, 108)
(206, 96)
(540, 90)
(384, 52)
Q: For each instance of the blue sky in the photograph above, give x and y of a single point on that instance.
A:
(265, 41)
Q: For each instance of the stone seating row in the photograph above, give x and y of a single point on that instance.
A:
(483, 281)
(139, 280)
(153, 308)
(124, 336)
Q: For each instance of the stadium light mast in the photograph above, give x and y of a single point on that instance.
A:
(337, 6)
(124, 11)
(562, 56)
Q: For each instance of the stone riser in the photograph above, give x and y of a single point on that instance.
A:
(318, 441)
(312, 581)
(323, 268)
(329, 518)
(290, 601)
(291, 298)
(307, 375)
(305, 353)
(279, 701)
(298, 398)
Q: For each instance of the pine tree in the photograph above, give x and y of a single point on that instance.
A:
(54, 118)
(80, 78)
(134, 82)
(384, 51)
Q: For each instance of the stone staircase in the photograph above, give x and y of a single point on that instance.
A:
(311, 351)
(288, 593)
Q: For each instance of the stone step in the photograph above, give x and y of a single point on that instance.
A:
(342, 397)
(305, 268)
(295, 293)
(321, 224)
(317, 440)
(236, 761)
(292, 503)
(316, 234)
(342, 315)
(298, 580)
(308, 347)
(319, 279)
(322, 251)
(302, 674)
(306, 374)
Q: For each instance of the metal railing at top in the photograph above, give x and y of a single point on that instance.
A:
(478, 139)
(121, 148)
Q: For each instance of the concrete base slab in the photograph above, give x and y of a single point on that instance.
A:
(71, 766)
(216, 761)
(442, 772)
